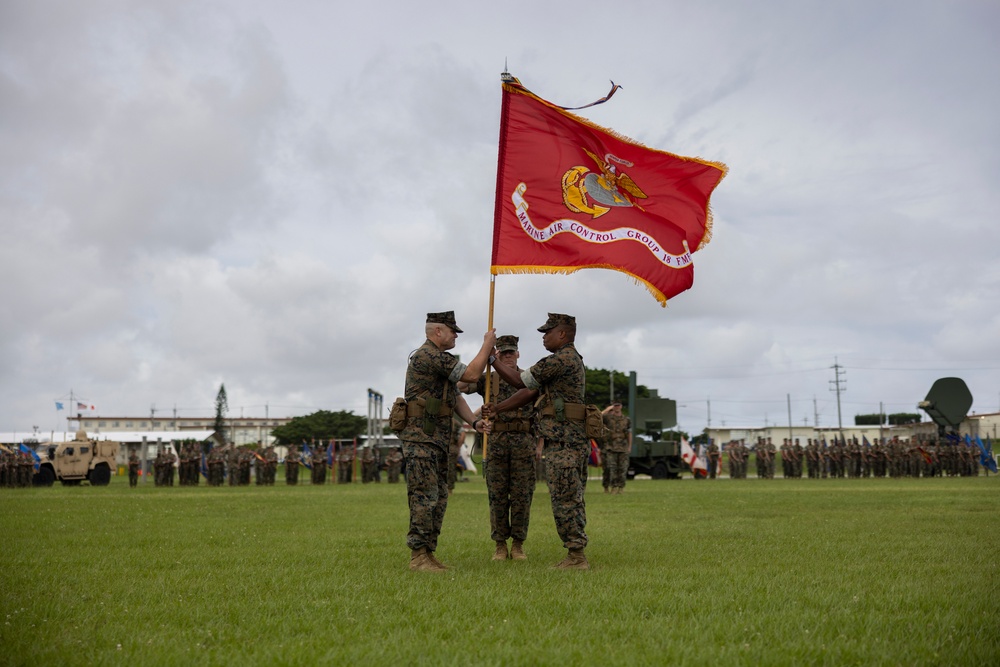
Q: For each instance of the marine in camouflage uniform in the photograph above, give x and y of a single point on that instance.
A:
(292, 466)
(171, 464)
(133, 468)
(158, 468)
(618, 445)
(5, 463)
(345, 464)
(368, 464)
(714, 460)
(394, 463)
(432, 396)
(509, 466)
(558, 382)
(318, 463)
(216, 466)
(27, 468)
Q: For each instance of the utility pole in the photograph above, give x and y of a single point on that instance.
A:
(880, 415)
(837, 383)
(152, 416)
(267, 415)
(790, 431)
(815, 414)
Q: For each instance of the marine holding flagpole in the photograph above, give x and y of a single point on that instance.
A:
(431, 397)
(556, 385)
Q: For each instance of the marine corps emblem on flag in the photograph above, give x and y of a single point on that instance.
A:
(580, 186)
(572, 195)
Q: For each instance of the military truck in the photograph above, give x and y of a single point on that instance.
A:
(660, 459)
(651, 455)
(77, 460)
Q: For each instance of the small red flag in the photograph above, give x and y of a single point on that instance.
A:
(572, 195)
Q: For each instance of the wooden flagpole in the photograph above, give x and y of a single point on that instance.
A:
(505, 77)
(489, 369)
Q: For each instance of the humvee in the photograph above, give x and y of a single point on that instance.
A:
(660, 459)
(79, 459)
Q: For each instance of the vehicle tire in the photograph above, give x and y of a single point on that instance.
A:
(630, 474)
(100, 476)
(44, 477)
(660, 470)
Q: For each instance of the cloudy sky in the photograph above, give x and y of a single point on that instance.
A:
(271, 195)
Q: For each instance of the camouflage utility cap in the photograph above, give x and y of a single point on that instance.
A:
(446, 318)
(556, 319)
(507, 344)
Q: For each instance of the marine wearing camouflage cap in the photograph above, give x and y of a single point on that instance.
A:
(446, 318)
(507, 344)
(557, 319)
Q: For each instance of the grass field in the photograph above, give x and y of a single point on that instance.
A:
(732, 572)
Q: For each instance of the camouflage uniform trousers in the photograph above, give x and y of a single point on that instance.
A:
(510, 483)
(563, 465)
(617, 465)
(426, 492)
(394, 470)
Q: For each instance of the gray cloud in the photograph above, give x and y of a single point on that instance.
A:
(273, 196)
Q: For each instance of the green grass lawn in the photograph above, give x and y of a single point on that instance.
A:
(784, 572)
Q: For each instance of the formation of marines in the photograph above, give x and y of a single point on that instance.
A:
(189, 468)
(237, 465)
(163, 467)
(16, 468)
(849, 458)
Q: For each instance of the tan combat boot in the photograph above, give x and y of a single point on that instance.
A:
(517, 551)
(574, 560)
(420, 561)
(501, 552)
(433, 559)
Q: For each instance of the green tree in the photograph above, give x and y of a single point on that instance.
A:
(322, 425)
(875, 419)
(221, 408)
(672, 435)
(598, 389)
(899, 418)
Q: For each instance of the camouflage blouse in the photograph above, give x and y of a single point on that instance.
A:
(617, 427)
(559, 376)
(431, 370)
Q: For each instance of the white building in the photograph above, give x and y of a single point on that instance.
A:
(242, 430)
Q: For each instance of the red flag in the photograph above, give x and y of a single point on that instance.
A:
(572, 195)
(595, 455)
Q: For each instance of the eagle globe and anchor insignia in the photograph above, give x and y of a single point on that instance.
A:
(595, 194)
